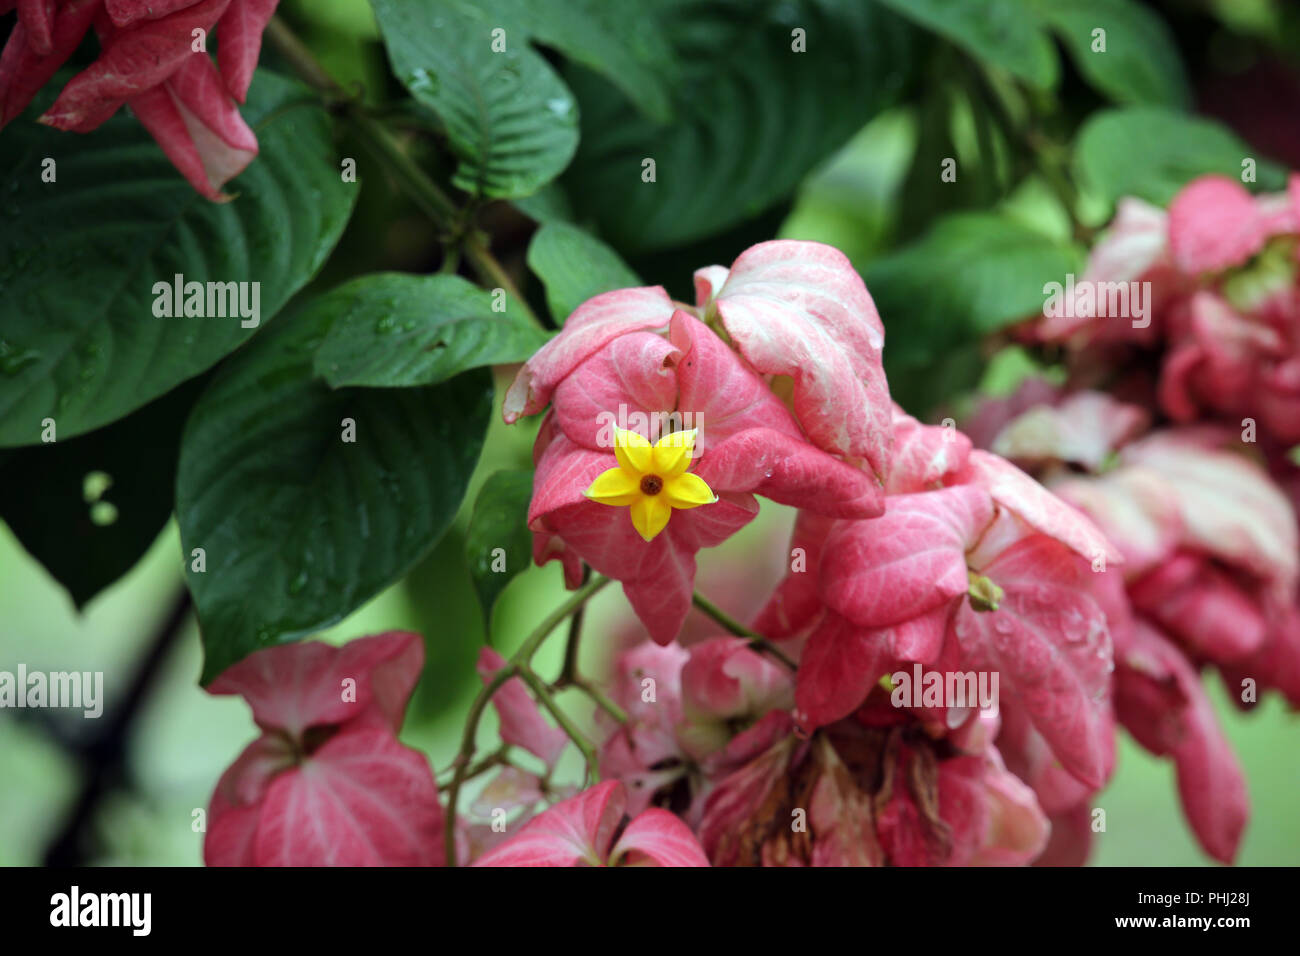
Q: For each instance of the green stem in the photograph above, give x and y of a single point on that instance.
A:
(543, 694)
(520, 659)
(597, 696)
(570, 668)
(732, 626)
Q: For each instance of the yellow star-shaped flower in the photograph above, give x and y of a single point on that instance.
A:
(651, 479)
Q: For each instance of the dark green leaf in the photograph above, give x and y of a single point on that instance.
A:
(510, 120)
(625, 43)
(499, 545)
(1005, 33)
(574, 265)
(1152, 153)
(298, 526)
(395, 330)
(971, 275)
(1140, 62)
(754, 116)
(79, 258)
(88, 508)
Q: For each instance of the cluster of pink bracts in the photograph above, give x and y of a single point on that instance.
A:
(1092, 596)
(153, 58)
(1176, 438)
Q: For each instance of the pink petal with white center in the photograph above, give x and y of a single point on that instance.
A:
(1214, 225)
(708, 283)
(291, 687)
(800, 309)
(1015, 491)
(723, 394)
(240, 36)
(1084, 429)
(593, 324)
(657, 838)
(924, 455)
(1049, 642)
(1135, 508)
(199, 92)
(362, 799)
(208, 156)
(1228, 505)
(522, 724)
(913, 559)
(629, 384)
(575, 832)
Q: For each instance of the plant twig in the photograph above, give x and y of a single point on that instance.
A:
(521, 659)
(424, 192)
(732, 626)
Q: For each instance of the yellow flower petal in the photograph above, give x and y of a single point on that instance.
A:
(632, 451)
(650, 515)
(672, 453)
(688, 491)
(615, 487)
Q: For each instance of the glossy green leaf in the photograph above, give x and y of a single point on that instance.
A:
(82, 258)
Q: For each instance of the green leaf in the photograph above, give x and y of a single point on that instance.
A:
(1152, 153)
(299, 526)
(971, 275)
(79, 258)
(624, 43)
(1140, 63)
(394, 330)
(574, 265)
(1005, 33)
(499, 545)
(103, 497)
(547, 204)
(754, 116)
(510, 120)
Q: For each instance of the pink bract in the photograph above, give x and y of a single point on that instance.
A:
(587, 830)
(327, 783)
